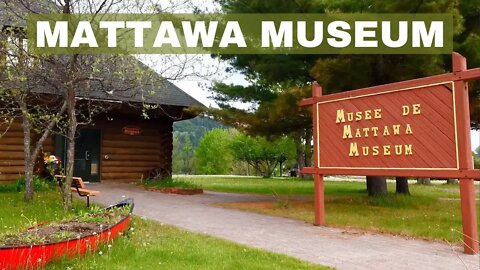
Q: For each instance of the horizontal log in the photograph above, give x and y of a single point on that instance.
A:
(11, 148)
(16, 125)
(11, 169)
(134, 151)
(124, 157)
(127, 163)
(131, 144)
(120, 137)
(11, 155)
(11, 141)
(9, 177)
(106, 169)
(11, 134)
(19, 162)
(119, 176)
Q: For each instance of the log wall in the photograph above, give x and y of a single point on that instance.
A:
(11, 153)
(123, 157)
(129, 158)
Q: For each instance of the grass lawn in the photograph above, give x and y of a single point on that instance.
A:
(148, 245)
(431, 212)
(251, 185)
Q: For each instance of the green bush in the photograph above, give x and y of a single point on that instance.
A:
(39, 184)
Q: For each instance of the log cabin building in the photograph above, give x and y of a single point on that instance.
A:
(119, 144)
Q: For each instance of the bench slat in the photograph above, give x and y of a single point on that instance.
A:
(86, 191)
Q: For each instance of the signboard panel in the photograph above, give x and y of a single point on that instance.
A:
(415, 128)
(409, 128)
(132, 130)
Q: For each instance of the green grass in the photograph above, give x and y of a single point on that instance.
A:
(148, 245)
(251, 185)
(398, 215)
(170, 183)
(296, 186)
(16, 214)
(152, 246)
(431, 212)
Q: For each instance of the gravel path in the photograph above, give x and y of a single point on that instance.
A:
(326, 246)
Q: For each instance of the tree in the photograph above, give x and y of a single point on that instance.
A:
(402, 186)
(213, 155)
(273, 75)
(70, 77)
(183, 153)
(187, 135)
(262, 154)
(20, 102)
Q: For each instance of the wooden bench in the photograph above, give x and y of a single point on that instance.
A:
(78, 186)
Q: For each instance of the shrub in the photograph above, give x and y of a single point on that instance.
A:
(39, 184)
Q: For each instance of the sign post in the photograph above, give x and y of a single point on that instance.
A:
(415, 128)
(467, 188)
(319, 193)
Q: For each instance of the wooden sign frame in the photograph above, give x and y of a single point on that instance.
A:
(463, 170)
(132, 130)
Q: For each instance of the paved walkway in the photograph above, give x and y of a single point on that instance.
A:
(326, 246)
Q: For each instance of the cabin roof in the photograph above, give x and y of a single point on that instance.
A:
(161, 92)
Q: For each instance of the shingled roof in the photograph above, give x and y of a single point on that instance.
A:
(162, 92)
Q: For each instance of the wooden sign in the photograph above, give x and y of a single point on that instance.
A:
(132, 130)
(416, 128)
(411, 128)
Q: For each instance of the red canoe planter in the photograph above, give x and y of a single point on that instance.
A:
(179, 191)
(37, 256)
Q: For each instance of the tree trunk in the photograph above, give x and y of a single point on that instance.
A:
(30, 156)
(308, 148)
(281, 169)
(452, 181)
(300, 155)
(29, 167)
(71, 132)
(376, 185)
(424, 181)
(402, 186)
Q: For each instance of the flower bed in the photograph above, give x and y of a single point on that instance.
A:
(36, 246)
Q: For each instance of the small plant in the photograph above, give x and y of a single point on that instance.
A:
(61, 235)
(280, 202)
(39, 184)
